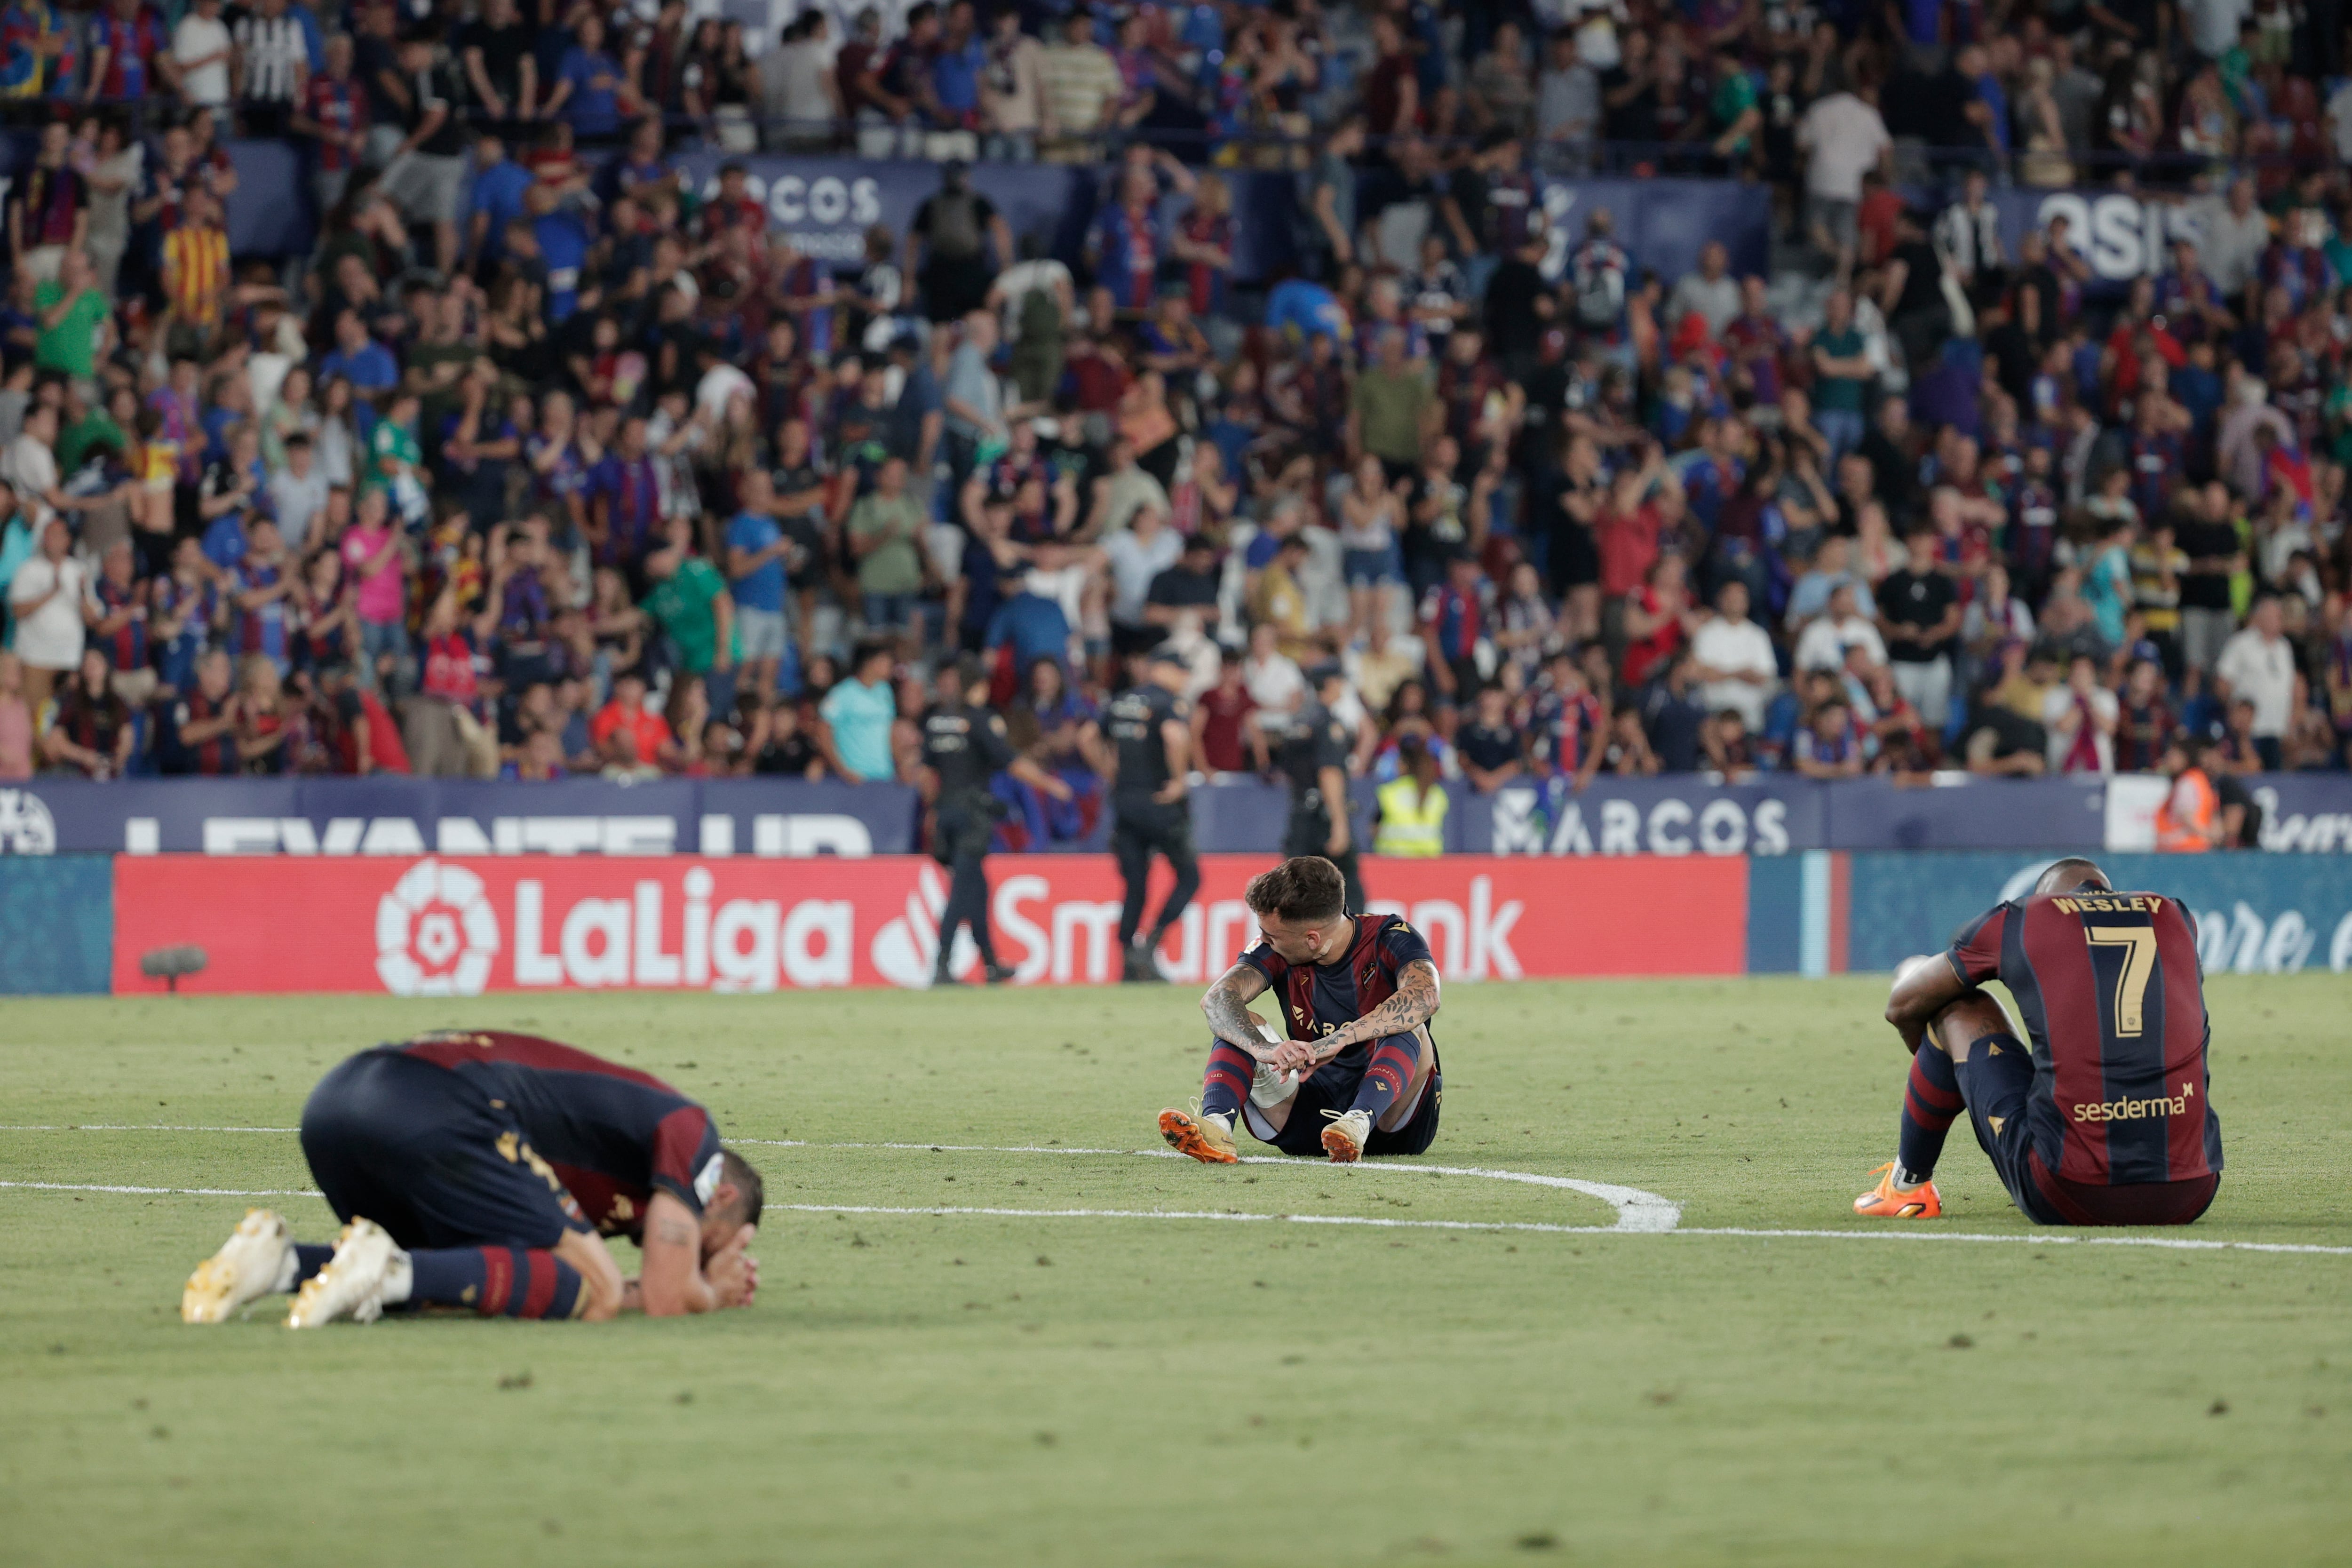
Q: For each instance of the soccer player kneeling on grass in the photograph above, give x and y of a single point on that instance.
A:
(1359, 1075)
(2106, 1120)
(482, 1171)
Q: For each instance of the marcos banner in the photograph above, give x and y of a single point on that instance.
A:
(439, 926)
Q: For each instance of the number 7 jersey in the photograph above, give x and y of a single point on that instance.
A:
(2109, 989)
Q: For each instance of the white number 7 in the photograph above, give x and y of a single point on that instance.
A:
(2138, 943)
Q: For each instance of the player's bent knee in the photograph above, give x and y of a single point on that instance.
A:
(1963, 1023)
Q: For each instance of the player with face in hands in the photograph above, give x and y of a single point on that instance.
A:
(964, 746)
(481, 1171)
(1359, 1074)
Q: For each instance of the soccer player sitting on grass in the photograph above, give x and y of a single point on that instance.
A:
(1360, 1074)
(482, 1171)
(2106, 1121)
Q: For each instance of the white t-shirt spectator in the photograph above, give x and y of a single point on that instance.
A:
(51, 636)
(1275, 685)
(2061, 700)
(2263, 671)
(1846, 137)
(1825, 640)
(30, 469)
(1717, 303)
(1744, 648)
(1133, 565)
(298, 501)
(2213, 24)
(192, 39)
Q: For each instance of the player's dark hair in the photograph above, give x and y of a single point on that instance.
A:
(733, 1168)
(1301, 890)
(2069, 875)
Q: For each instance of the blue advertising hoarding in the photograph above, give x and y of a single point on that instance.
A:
(1680, 815)
(2256, 914)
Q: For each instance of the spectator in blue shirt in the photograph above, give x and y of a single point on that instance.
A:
(359, 359)
(956, 68)
(498, 185)
(756, 550)
(588, 85)
(1032, 626)
(859, 711)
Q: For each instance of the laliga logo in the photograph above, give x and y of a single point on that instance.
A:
(906, 950)
(25, 826)
(435, 933)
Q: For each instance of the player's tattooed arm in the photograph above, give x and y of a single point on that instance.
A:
(1413, 1004)
(1227, 1005)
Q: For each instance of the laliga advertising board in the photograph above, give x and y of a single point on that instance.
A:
(457, 927)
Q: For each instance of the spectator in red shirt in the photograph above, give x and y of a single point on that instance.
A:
(1658, 620)
(1626, 531)
(1223, 735)
(625, 734)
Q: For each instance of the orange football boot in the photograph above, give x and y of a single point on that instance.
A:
(1887, 1201)
(1207, 1139)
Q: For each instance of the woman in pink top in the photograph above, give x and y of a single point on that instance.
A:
(374, 564)
(16, 722)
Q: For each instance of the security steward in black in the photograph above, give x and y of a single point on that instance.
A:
(1144, 741)
(963, 748)
(1313, 757)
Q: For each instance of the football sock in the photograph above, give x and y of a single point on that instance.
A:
(1394, 1061)
(302, 1260)
(496, 1281)
(1931, 1101)
(1230, 1072)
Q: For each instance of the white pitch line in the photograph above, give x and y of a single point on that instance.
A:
(1638, 1213)
(2036, 1238)
(169, 1192)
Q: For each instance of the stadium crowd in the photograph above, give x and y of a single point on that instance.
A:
(545, 462)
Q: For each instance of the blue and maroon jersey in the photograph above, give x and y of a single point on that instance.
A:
(261, 631)
(1459, 618)
(2108, 986)
(340, 108)
(612, 1136)
(126, 648)
(635, 490)
(131, 47)
(1316, 998)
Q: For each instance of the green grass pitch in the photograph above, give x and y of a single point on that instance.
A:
(979, 1389)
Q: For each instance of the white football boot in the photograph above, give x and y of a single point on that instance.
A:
(1345, 1139)
(352, 1283)
(255, 1260)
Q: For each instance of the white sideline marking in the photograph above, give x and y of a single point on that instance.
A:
(167, 1192)
(1638, 1213)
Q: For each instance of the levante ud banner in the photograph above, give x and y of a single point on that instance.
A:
(442, 926)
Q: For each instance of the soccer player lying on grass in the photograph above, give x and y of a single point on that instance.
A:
(1360, 1074)
(482, 1171)
(2106, 1120)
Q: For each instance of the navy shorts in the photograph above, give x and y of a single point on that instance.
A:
(413, 1147)
(1333, 1087)
(1997, 1084)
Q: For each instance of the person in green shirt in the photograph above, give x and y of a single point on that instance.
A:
(886, 530)
(1842, 373)
(689, 601)
(73, 314)
(396, 462)
(88, 425)
(1393, 409)
(1732, 106)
